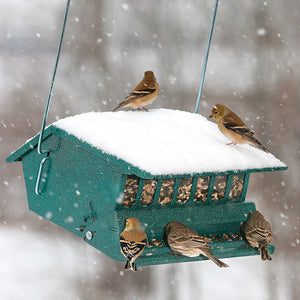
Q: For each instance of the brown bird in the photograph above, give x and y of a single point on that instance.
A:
(258, 233)
(187, 242)
(133, 240)
(143, 94)
(234, 128)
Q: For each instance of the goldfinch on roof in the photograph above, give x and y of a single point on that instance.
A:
(234, 128)
(143, 94)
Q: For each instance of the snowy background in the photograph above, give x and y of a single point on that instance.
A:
(254, 68)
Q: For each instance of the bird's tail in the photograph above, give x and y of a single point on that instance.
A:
(218, 262)
(254, 142)
(130, 265)
(122, 104)
(265, 254)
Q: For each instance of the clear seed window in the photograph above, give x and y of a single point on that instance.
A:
(202, 188)
(219, 187)
(236, 186)
(132, 184)
(166, 191)
(183, 190)
(148, 192)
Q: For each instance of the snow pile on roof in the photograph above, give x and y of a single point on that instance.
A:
(165, 141)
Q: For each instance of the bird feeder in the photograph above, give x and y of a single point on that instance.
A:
(158, 166)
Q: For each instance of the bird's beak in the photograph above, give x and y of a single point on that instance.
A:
(209, 117)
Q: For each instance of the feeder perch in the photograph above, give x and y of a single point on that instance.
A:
(158, 166)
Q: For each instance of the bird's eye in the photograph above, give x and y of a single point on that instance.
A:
(215, 112)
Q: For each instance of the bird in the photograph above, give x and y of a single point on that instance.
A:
(258, 233)
(133, 240)
(232, 126)
(143, 94)
(185, 241)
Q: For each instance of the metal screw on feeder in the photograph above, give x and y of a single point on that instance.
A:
(89, 235)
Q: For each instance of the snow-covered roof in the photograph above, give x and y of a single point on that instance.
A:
(165, 141)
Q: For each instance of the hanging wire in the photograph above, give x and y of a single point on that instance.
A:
(39, 150)
(206, 57)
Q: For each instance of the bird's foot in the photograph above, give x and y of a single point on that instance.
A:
(145, 109)
(232, 143)
(174, 253)
(247, 245)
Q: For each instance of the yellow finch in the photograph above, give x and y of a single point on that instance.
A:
(133, 240)
(187, 242)
(234, 128)
(143, 94)
(258, 233)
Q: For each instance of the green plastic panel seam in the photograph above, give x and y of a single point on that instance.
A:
(175, 192)
(228, 188)
(157, 193)
(138, 198)
(210, 189)
(193, 191)
(245, 187)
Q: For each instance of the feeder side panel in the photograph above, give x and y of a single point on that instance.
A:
(78, 191)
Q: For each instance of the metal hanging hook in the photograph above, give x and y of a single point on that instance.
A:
(47, 151)
(38, 179)
(206, 57)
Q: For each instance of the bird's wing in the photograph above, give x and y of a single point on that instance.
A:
(138, 94)
(238, 127)
(132, 249)
(190, 240)
(259, 234)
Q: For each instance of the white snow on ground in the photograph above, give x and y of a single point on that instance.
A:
(41, 266)
(244, 279)
(165, 141)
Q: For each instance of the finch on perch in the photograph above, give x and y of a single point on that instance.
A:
(133, 240)
(185, 241)
(258, 233)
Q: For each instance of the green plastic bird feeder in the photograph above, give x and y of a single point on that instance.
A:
(158, 167)
(90, 190)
